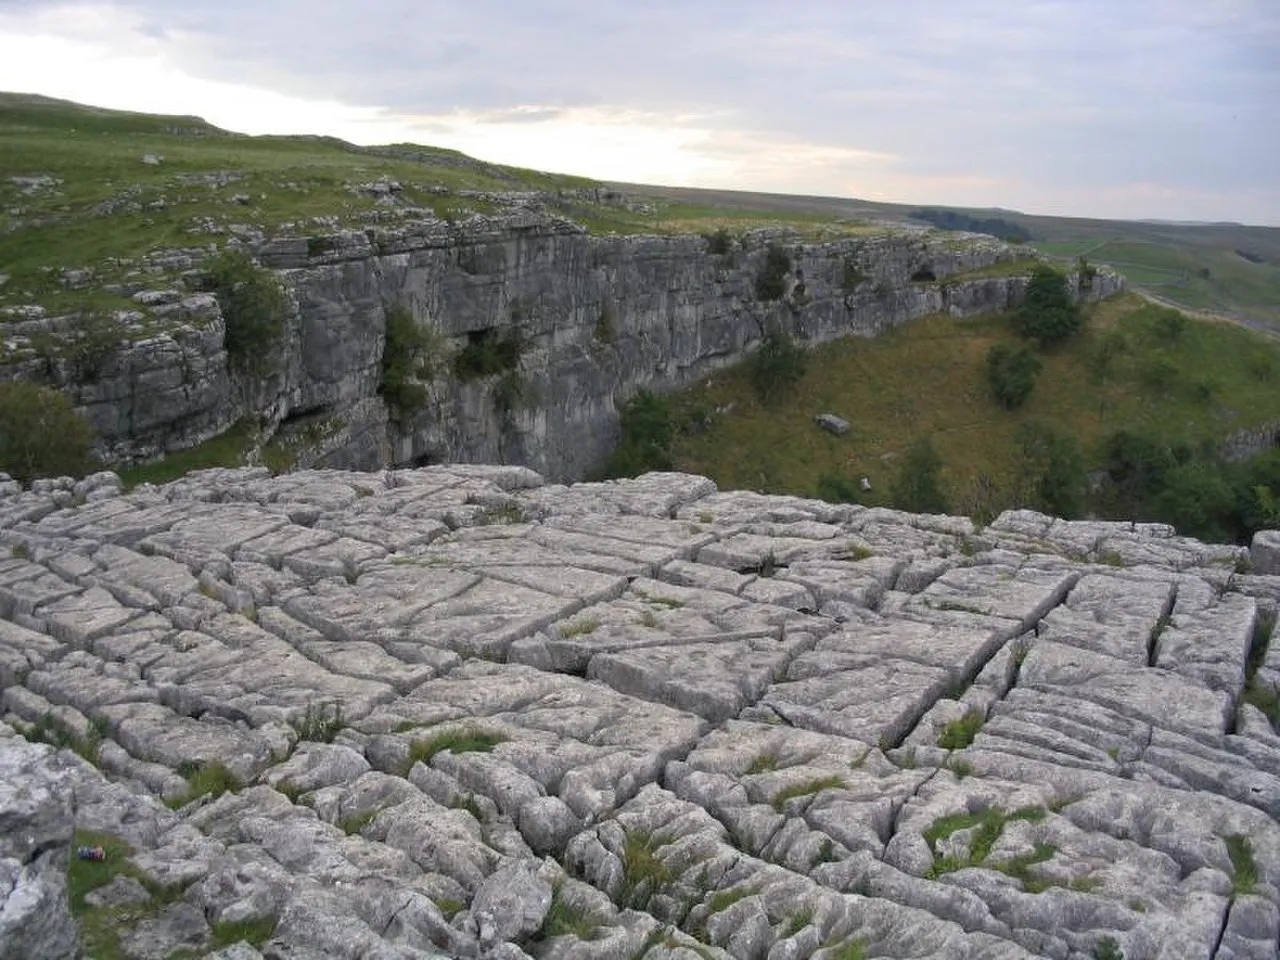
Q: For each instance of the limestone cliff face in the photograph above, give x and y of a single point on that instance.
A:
(599, 318)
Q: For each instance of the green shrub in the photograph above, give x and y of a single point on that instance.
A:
(771, 281)
(606, 329)
(489, 353)
(1047, 314)
(851, 277)
(916, 488)
(1244, 869)
(806, 789)
(456, 741)
(1111, 345)
(1136, 466)
(253, 308)
(1159, 372)
(49, 730)
(719, 243)
(510, 392)
(1053, 470)
(834, 488)
(93, 338)
(319, 724)
(1170, 324)
(204, 780)
(643, 873)
(958, 734)
(565, 919)
(647, 429)
(41, 433)
(1087, 272)
(412, 356)
(1198, 499)
(1012, 371)
(777, 366)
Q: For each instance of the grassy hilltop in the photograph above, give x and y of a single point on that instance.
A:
(77, 193)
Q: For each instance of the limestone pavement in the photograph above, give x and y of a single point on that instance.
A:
(458, 711)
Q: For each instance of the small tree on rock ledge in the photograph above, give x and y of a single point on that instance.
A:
(1048, 315)
(771, 281)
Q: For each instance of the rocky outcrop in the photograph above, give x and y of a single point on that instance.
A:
(1251, 441)
(36, 827)
(599, 317)
(460, 711)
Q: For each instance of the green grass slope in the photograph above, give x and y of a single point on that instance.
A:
(928, 379)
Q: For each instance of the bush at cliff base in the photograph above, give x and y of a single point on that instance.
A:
(41, 434)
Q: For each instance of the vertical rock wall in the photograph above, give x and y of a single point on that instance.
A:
(599, 318)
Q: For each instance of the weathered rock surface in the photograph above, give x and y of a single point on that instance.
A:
(599, 317)
(459, 712)
(35, 836)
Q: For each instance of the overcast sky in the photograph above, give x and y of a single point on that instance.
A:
(1110, 108)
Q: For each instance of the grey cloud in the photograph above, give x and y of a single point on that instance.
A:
(1183, 93)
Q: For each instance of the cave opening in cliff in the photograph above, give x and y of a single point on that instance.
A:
(924, 275)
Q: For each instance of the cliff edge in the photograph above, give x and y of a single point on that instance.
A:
(585, 321)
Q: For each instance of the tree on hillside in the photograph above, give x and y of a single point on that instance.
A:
(916, 488)
(1197, 498)
(647, 432)
(1047, 314)
(1011, 371)
(41, 433)
(777, 366)
(1136, 467)
(1053, 470)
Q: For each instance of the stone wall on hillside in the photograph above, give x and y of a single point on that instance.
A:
(600, 317)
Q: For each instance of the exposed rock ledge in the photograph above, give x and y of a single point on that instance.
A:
(599, 319)
(713, 718)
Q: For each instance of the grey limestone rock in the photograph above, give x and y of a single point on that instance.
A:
(511, 904)
(36, 826)
(457, 711)
(832, 424)
(1264, 553)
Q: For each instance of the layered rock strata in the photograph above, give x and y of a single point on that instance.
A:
(597, 318)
